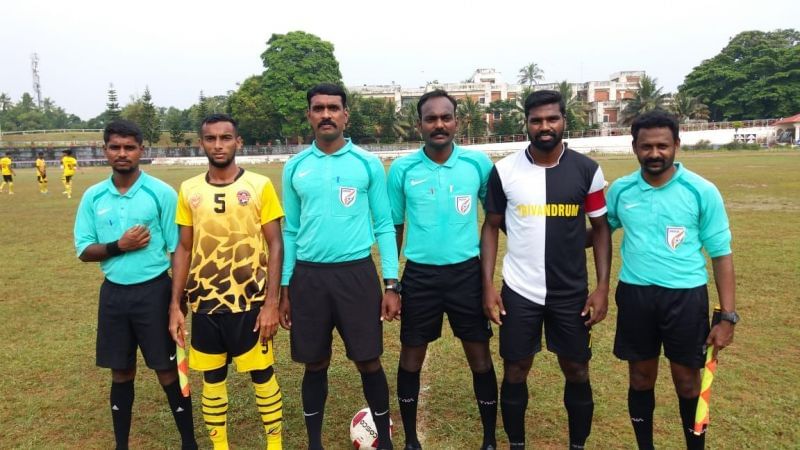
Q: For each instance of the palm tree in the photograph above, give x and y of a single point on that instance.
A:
(686, 107)
(5, 102)
(576, 110)
(648, 98)
(470, 114)
(406, 123)
(531, 75)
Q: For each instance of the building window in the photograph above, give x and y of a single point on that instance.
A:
(605, 118)
(496, 116)
(482, 100)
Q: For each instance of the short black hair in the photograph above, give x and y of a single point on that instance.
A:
(68, 151)
(41, 153)
(545, 97)
(327, 89)
(435, 94)
(120, 127)
(216, 118)
(657, 118)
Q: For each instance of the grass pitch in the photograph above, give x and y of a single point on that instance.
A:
(54, 397)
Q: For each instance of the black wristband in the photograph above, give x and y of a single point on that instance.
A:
(112, 248)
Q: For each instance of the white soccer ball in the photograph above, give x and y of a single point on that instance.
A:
(363, 432)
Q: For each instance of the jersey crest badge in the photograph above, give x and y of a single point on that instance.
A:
(463, 204)
(675, 236)
(194, 200)
(243, 197)
(347, 196)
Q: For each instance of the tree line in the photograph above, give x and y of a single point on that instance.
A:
(757, 75)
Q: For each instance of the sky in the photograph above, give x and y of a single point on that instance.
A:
(178, 48)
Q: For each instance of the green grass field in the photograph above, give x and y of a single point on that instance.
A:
(54, 397)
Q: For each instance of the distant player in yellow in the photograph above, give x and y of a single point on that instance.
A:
(41, 173)
(229, 217)
(8, 174)
(68, 164)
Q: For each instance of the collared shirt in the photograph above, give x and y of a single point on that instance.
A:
(104, 215)
(336, 207)
(440, 203)
(667, 227)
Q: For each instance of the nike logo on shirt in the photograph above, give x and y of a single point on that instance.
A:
(304, 173)
(103, 211)
(632, 205)
(416, 182)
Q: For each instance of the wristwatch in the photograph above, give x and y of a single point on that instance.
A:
(395, 286)
(731, 317)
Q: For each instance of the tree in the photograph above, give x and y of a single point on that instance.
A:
(151, 128)
(294, 62)
(202, 109)
(508, 118)
(531, 75)
(5, 102)
(174, 123)
(647, 98)
(470, 114)
(252, 107)
(757, 75)
(576, 110)
(686, 107)
(112, 107)
(406, 123)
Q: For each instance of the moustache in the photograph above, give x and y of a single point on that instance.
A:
(546, 133)
(327, 122)
(654, 160)
(440, 133)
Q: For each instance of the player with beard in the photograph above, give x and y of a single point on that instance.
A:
(670, 215)
(228, 219)
(336, 208)
(127, 223)
(436, 190)
(540, 196)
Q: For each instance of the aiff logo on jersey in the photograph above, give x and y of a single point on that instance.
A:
(463, 204)
(347, 196)
(675, 236)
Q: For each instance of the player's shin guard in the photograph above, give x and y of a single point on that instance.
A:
(215, 413)
(640, 407)
(407, 398)
(121, 406)
(580, 409)
(315, 392)
(376, 392)
(485, 387)
(11, 187)
(182, 413)
(270, 406)
(688, 408)
(513, 403)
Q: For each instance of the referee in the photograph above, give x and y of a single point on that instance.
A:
(436, 191)
(127, 223)
(336, 206)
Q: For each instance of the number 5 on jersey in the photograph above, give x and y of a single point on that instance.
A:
(219, 199)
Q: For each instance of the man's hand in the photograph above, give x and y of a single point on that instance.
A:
(596, 306)
(284, 309)
(267, 320)
(390, 306)
(721, 336)
(493, 305)
(136, 237)
(177, 323)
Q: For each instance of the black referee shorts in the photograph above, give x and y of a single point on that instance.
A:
(648, 316)
(430, 291)
(346, 296)
(135, 315)
(8, 178)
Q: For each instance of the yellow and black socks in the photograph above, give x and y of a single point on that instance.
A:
(181, 408)
(485, 387)
(376, 392)
(580, 409)
(407, 399)
(315, 392)
(640, 407)
(513, 403)
(270, 405)
(121, 406)
(215, 413)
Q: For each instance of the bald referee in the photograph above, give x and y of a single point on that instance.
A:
(435, 193)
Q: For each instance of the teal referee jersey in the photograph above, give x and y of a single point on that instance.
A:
(667, 228)
(336, 207)
(104, 215)
(439, 202)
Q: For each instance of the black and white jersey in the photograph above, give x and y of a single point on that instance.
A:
(544, 209)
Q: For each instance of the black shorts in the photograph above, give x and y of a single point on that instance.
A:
(521, 332)
(218, 339)
(41, 178)
(431, 291)
(346, 296)
(135, 315)
(648, 316)
(68, 178)
(8, 178)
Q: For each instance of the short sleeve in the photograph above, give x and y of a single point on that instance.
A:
(183, 214)
(270, 205)
(496, 200)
